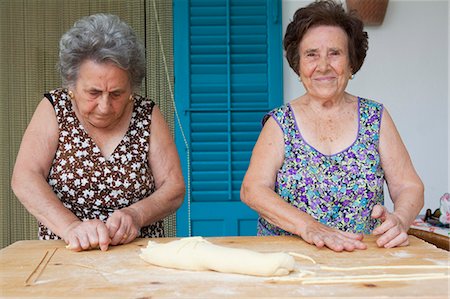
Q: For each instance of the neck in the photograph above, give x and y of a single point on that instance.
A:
(326, 104)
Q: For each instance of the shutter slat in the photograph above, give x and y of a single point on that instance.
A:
(227, 94)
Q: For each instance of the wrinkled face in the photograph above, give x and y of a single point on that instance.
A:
(102, 93)
(324, 61)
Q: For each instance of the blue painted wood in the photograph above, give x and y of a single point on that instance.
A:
(228, 74)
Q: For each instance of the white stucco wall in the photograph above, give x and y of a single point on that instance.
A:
(407, 70)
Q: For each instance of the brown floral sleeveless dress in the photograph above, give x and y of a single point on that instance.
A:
(92, 186)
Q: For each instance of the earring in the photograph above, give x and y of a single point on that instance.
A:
(131, 98)
(299, 79)
(70, 93)
(352, 76)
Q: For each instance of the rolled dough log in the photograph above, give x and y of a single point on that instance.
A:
(196, 253)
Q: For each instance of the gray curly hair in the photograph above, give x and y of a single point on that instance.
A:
(101, 38)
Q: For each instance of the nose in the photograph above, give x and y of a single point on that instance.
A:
(323, 63)
(104, 103)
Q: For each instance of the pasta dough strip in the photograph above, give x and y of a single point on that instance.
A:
(303, 257)
(303, 278)
(372, 278)
(384, 267)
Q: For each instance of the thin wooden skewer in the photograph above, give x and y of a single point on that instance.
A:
(27, 281)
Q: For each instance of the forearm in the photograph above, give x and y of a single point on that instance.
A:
(408, 203)
(274, 209)
(163, 202)
(280, 213)
(39, 199)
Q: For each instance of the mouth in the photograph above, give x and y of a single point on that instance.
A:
(325, 79)
(103, 116)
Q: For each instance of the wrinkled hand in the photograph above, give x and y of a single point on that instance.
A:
(123, 226)
(392, 230)
(321, 235)
(89, 234)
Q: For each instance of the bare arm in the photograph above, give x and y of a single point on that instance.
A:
(165, 164)
(405, 187)
(257, 191)
(29, 179)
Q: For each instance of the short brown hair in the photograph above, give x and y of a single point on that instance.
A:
(328, 13)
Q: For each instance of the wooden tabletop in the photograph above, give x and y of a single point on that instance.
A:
(47, 268)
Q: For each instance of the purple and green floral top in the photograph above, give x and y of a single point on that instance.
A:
(338, 190)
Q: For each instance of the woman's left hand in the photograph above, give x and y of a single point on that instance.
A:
(123, 226)
(392, 230)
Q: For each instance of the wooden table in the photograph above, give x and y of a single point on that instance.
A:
(47, 268)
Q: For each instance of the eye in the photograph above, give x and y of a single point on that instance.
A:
(116, 94)
(335, 53)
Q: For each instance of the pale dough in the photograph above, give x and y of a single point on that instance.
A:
(384, 267)
(196, 253)
(373, 278)
(310, 278)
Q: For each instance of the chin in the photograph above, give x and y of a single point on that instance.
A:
(101, 124)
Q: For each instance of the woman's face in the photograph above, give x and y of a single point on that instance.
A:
(102, 93)
(324, 61)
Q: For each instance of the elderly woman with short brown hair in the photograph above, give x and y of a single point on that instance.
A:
(320, 163)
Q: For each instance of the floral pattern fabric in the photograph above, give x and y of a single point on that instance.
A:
(86, 182)
(338, 190)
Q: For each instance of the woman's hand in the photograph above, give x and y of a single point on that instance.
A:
(392, 231)
(321, 235)
(89, 234)
(123, 225)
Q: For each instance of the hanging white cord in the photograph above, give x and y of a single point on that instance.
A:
(188, 152)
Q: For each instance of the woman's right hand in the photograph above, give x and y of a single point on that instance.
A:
(89, 234)
(321, 235)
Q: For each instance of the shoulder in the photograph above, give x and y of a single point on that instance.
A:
(371, 111)
(44, 121)
(57, 93)
(143, 105)
(278, 114)
(59, 98)
(370, 104)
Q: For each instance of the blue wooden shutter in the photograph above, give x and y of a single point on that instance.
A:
(228, 74)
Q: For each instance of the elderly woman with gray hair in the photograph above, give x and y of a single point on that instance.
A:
(97, 165)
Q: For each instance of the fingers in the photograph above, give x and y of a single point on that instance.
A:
(338, 244)
(336, 240)
(352, 236)
(117, 230)
(393, 237)
(122, 237)
(391, 231)
(400, 240)
(318, 241)
(125, 238)
(113, 225)
(87, 235)
(346, 241)
(346, 245)
(103, 237)
(334, 244)
(379, 212)
(122, 227)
